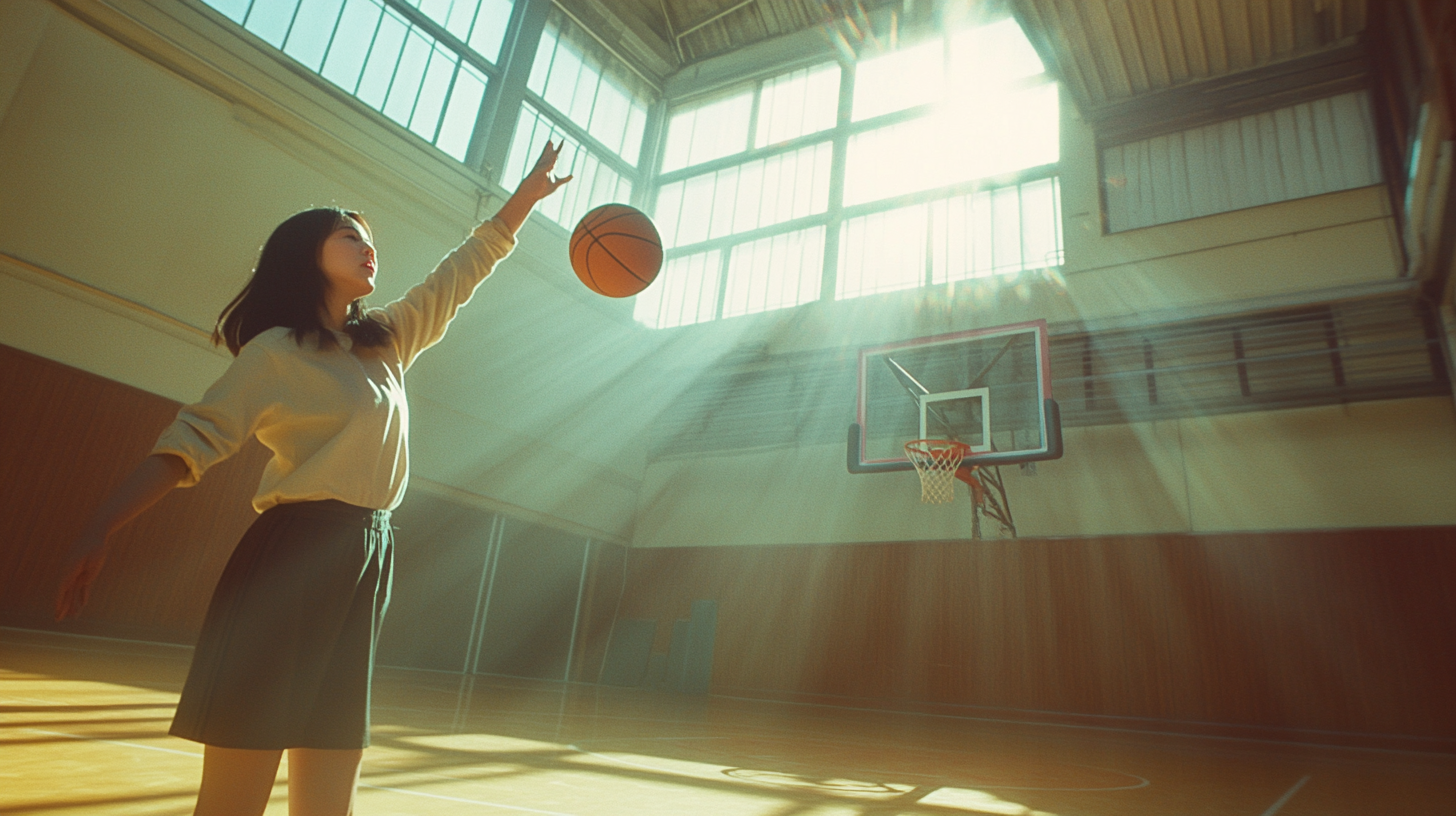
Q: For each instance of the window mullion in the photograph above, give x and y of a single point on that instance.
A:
(334, 32)
(439, 33)
(369, 52)
(829, 277)
(723, 258)
(649, 158)
(751, 137)
(494, 127)
(445, 105)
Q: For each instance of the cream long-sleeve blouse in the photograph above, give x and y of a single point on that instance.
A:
(335, 418)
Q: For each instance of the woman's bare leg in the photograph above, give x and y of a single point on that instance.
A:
(322, 782)
(236, 782)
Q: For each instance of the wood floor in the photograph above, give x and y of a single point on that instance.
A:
(83, 726)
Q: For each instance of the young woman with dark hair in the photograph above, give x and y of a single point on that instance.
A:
(285, 656)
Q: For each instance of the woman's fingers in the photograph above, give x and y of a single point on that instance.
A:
(75, 590)
(549, 154)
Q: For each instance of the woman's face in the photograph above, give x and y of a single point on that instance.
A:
(347, 260)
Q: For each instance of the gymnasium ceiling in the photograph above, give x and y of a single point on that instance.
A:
(1104, 51)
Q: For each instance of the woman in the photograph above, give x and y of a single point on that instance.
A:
(286, 651)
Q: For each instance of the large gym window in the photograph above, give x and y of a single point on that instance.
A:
(580, 93)
(950, 149)
(423, 63)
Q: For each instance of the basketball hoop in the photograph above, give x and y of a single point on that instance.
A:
(936, 460)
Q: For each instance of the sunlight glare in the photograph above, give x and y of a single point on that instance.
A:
(977, 801)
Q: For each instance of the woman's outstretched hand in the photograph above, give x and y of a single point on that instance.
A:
(538, 184)
(87, 556)
(143, 487)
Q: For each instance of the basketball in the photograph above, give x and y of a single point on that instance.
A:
(616, 251)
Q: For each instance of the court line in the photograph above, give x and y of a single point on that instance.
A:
(1108, 728)
(1142, 783)
(77, 635)
(1284, 800)
(362, 785)
(443, 797)
(113, 742)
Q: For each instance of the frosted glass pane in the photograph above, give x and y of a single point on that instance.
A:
(312, 26)
(269, 19)
(958, 145)
(407, 77)
(1006, 218)
(561, 81)
(379, 68)
(707, 132)
(774, 273)
(460, 116)
(889, 161)
(636, 130)
(609, 118)
(899, 80)
(668, 212)
(747, 210)
(685, 292)
(882, 252)
(698, 195)
(797, 104)
(345, 60)
(489, 29)
(1023, 133)
(458, 17)
(992, 54)
(541, 65)
(1040, 225)
(755, 194)
(235, 10)
(436, 84)
(583, 96)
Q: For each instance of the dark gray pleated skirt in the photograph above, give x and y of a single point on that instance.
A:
(286, 654)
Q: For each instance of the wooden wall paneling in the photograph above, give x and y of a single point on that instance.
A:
(66, 439)
(441, 548)
(533, 602)
(1349, 632)
(601, 597)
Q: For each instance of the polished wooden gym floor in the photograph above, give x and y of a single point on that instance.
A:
(83, 726)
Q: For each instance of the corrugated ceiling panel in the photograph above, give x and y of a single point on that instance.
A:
(1112, 50)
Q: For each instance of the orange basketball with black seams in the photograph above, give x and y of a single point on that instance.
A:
(616, 251)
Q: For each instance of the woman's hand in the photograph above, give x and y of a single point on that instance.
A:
(537, 184)
(88, 554)
(143, 487)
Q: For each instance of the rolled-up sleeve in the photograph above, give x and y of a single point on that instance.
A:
(213, 429)
(420, 318)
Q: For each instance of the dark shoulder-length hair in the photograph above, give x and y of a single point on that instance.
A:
(288, 288)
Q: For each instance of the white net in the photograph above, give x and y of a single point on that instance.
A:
(936, 460)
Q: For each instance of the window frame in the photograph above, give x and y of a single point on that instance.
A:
(845, 128)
